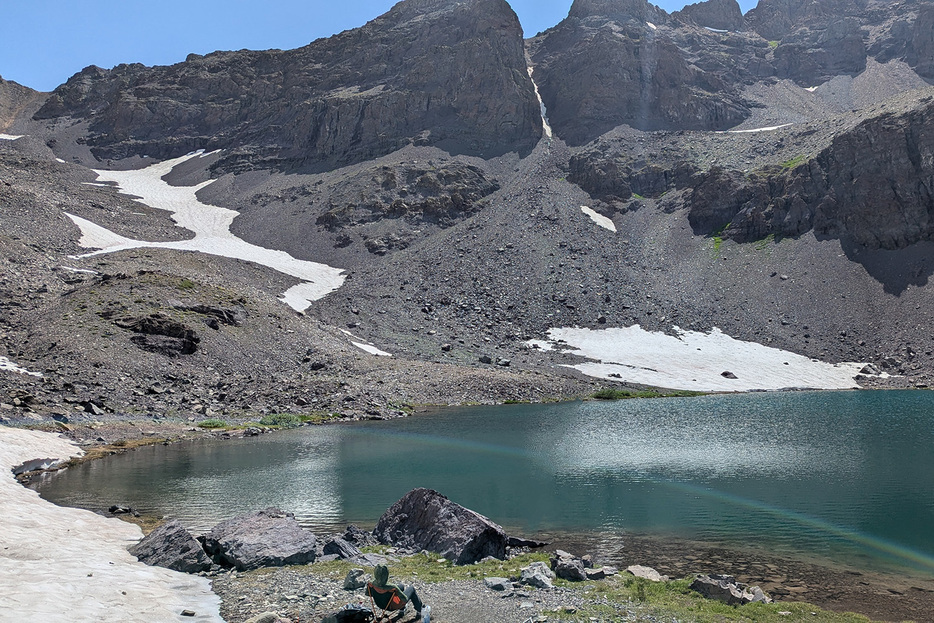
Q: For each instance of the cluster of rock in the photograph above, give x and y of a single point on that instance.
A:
(540, 575)
(423, 520)
(267, 538)
(441, 193)
(725, 588)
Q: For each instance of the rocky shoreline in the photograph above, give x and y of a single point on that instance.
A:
(310, 590)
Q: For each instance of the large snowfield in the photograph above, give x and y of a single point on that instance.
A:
(690, 360)
(211, 225)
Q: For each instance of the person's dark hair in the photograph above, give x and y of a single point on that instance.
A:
(380, 575)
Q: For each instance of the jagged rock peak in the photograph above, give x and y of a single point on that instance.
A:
(409, 8)
(619, 10)
(445, 73)
(773, 19)
(718, 14)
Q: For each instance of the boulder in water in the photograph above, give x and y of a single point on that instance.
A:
(426, 520)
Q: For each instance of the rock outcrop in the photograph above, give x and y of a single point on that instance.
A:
(920, 46)
(426, 520)
(428, 72)
(716, 14)
(441, 195)
(158, 333)
(612, 63)
(172, 546)
(268, 538)
(816, 40)
(14, 100)
(846, 191)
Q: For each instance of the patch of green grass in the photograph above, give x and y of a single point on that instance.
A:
(612, 599)
(794, 162)
(515, 402)
(427, 569)
(717, 237)
(625, 394)
(319, 417)
(675, 600)
(186, 284)
(405, 407)
(637, 196)
(773, 44)
(212, 423)
(765, 242)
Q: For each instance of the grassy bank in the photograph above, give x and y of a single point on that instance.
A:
(603, 599)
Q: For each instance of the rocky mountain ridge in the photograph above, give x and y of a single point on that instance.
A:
(428, 72)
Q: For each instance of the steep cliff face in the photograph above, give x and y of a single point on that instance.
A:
(430, 72)
(920, 48)
(608, 64)
(847, 191)
(717, 14)
(818, 39)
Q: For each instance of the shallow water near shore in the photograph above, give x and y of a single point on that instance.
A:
(843, 477)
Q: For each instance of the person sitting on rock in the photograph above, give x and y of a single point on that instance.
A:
(383, 595)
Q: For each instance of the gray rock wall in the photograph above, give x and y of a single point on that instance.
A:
(441, 73)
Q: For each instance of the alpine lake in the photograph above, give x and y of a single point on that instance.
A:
(844, 478)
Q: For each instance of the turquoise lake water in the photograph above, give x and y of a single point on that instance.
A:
(844, 476)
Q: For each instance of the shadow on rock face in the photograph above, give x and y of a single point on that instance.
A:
(895, 270)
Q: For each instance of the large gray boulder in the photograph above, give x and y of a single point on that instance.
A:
(268, 538)
(538, 575)
(171, 546)
(340, 548)
(426, 520)
(647, 573)
(568, 567)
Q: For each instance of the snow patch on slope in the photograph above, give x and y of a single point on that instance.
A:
(362, 345)
(599, 219)
(541, 104)
(211, 225)
(8, 366)
(754, 130)
(10, 137)
(696, 361)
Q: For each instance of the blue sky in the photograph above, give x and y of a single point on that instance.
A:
(44, 42)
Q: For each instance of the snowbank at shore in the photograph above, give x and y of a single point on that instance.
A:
(689, 360)
(66, 564)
